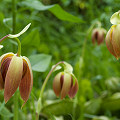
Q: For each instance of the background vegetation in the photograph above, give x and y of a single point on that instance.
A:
(57, 36)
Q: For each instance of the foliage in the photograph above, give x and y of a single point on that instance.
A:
(59, 29)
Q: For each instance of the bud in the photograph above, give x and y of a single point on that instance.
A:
(113, 40)
(64, 84)
(98, 35)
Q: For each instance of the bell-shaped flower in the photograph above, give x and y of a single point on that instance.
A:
(15, 72)
(64, 84)
(98, 35)
(113, 40)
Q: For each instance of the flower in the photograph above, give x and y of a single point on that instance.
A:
(98, 35)
(65, 85)
(113, 40)
(15, 72)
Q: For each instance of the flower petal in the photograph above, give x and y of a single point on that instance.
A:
(2, 59)
(115, 18)
(13, 77)
(57, 84)
(26, 83)
(1, 82)
(108, 40)
(116, 40)
(94, 35)
(73, 89)
(100, 37)
(4, 56)
(66, 85)
(4, 67)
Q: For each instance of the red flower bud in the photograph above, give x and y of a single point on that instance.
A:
(15, 72)
(65, 85)
(113, 40)
(98, 35)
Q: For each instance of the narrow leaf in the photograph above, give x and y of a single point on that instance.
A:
(56, 108)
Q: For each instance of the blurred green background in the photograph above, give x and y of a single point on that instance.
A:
(56, 35)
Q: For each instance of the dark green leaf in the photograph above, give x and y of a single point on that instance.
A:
(4, 111)
(63, 15)
(112, 103)
(93, 106)
(63, 107)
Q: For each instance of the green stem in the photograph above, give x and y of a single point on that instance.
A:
(16, 106)
(42, 89)
(14, 16)
(18, 42)
(13, 19)
(19, 47)
(80, 76)
(46, 80)
(19, 51)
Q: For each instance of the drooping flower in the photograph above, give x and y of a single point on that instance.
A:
(113, 35)
(15, 72)
(113, 40)
(64, 84)
(98, 35)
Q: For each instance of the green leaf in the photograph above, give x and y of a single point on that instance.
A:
(112, 103)
(63, 15)
(63, 107)
(54, 9)
(4, 111)
(93, 106)
(32, 39)
(40, 62)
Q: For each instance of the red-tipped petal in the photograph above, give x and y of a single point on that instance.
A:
(57, 84)
(1, 82)
(4, 67)
(2, 59)
(4, 56)
(108, 40)
(13, 77)
(94, 35)
(100, 37)
(26, 83)
(73, 89)
(66, 85)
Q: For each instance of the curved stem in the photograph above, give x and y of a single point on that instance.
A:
(42, 89)
(16, 106)
(2, 39)
(46, 80)
(19, 47)
(18, 42)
